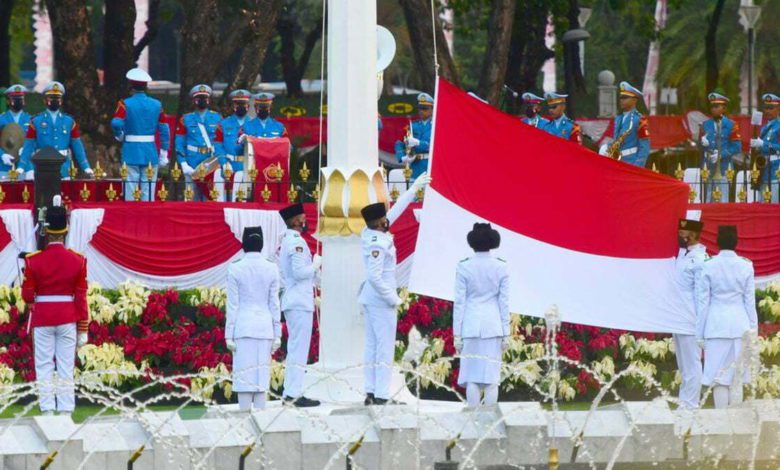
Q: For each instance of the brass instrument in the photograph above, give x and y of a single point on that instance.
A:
(206, 167)
(409, 151)
(12, 139)
(613, 151)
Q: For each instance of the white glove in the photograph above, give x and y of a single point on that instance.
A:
(89, 172)
(422, 181)
(242, 138)
(82, 340)
(756, 143)
(277, 343)
(408, 159)
(713, 156)
(230, 157)
(458, 342)
(604, 149)
(504, 343)
(231, 345)
(163, 161)
(30, 175)
(704, 141)
(412, 142)
(316, 262)
(187, 169)
(8, 159)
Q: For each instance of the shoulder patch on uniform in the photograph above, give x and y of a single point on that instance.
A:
(299, 249)
(374, 238)
(464, 259)
(375, 253)
(501, 259)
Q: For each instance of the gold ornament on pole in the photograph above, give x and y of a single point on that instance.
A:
(149, 171)
(655, 170)
(162, 194)
(25, 195)
(705, 173)
(137, 193)
(99, 172)
(241, 194)
(110, 192)
(188, 193)
(176, 172)
(227, 171)
(754, 174)
(407, 173)
(742, 194)
(72, 171)
(253, 174)
(265, 193)
(214, 194)
(730, 174)
(679, 173)
(200, 173)
(304, 172)
(2, 195)
(316, 193)
(767, 194)
(692, 196)
(123, 172)
(292, 194)
(553, 459)
(12, 175)
(394, 193)
(716, 194)
(85, 193)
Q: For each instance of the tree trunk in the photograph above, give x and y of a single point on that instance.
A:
(574, 81)
(494, 65)
(6, 7)
(118, 37)
(286, 27)
(253, 55)
(710, 46)
(418, 21)
(528, 51)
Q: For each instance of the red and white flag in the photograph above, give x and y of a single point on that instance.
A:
(592, 235)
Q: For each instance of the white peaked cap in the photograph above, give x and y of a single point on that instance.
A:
(138, 75)
(693, 215)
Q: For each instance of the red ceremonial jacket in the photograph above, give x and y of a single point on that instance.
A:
(56, 271)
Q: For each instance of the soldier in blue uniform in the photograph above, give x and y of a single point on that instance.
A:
(16, 114)
(768, 142)
(720, 141)
(228, 132)
(561, 125)
(195, 136)
(416, 147)
(135, 122)
(533, 106)
(57, 129)
(263, 125)
(631, 129)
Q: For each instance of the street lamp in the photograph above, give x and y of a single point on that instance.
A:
(749, 15)
(582, 19)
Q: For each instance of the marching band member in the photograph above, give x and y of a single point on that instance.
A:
(14, 97)
(55, 287)
(263, 125)
(481, 316)
(768, 141)
(690, 260)
(299, 273)
(631, 130)
(561, 125)
(719, 140)
(56, 129)
(227, 137)
(414, 151)
(378, 295)
(135, 122)
(726, 310)
(253, 328)
(533, 108)
(195, 136)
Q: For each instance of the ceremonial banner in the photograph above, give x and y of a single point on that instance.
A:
(272, 160)
(595, 236)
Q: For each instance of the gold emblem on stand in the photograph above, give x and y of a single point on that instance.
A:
(742, 194)
(252, 175)
(755, 173)
(137, 193)
(304, 172)
(26, 195)
(692, 196)
(292, 194)
(655, 169)
(176, 172)
(730, 174)
(123, 172)
(85, 193)
(241, 194)
(2, 195)
(72, 172)
(767, 194)
(99, 172)
(213, 193)
(188, 193)
(716, 194)
(265, 193)
(149, 171)
(316, 193)
(227, 172)
(110, 192)
(12, 175)
(679, 173)
(407, 173)
(162, 194)
(394, 193)
(705, 173)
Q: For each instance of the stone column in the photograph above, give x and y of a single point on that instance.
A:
(607, 98)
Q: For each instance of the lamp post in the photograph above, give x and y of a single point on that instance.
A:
(571, 38)
(749, 15)
(582, 19)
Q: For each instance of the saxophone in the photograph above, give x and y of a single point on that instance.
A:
(614, 148)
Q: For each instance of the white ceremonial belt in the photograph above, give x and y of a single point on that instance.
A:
(53, 298)
(421, 156)
(139, 138)
(774, 158)
(627, 152)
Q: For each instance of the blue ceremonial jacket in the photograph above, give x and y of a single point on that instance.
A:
(770, 134)
(191, 147)
(636, 147)
(61, 133)
(8, 118)
(565, 128)
(726, 139)
(421, 130)
(139, 117)
(231, 127)
(268, 128)
(538, 122)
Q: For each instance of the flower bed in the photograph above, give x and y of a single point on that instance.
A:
(137, 334)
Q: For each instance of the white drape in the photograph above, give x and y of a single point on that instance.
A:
(19, 224)
(83, 225)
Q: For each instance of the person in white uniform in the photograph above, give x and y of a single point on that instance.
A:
(378, 295)
(726, 306)
(253, 326)
(481, 316)
(690, 260)
(299, 273)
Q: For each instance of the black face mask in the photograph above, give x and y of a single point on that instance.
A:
(17, 104)
(53, 105)
(263, 113)
(530, 112)
(682, 242)
(305, 228)
(202, 103)
(241, 111)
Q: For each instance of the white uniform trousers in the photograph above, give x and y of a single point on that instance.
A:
(380, 349)
(55, 348)
(239, 183)
(480, 361)
(688, 355)
(299, 324)
(720, 361)
(219, 185)
(252, 365)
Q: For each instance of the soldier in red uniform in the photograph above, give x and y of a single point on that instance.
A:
(55, 287)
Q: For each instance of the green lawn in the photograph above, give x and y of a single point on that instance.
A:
(83, 412)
